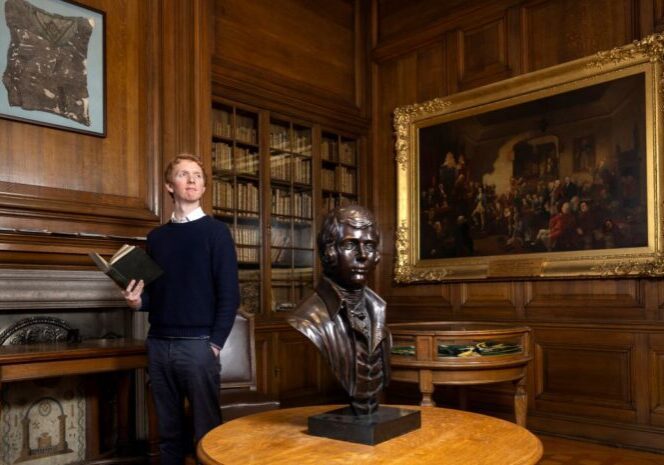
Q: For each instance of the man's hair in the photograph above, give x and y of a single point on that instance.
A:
(355, 216)
(168, 172)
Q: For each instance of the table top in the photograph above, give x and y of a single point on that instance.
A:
(452, 437)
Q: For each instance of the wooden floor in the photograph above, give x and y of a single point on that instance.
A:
(558, 451)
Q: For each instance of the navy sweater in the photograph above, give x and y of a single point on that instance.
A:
(198, 294)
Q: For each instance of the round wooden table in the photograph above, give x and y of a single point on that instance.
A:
(450, 437)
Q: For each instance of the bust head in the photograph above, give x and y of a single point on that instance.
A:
(348, 246)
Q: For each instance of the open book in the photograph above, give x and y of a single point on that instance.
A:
(129, 262)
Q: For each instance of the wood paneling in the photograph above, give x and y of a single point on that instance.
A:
(579, 29)
(292, 49)
(488, 300)
(58, 184)
(398, 17)
(586, 373)
(482, 55)
(298, 367)
(587, 299)
(599, 364)
(656, 368)
(59, 180)
(658, 14)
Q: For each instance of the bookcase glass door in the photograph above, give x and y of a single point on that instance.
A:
(291, 213)
(338, 156)
(236, 191)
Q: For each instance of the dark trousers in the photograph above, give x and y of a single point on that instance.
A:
(182, 368)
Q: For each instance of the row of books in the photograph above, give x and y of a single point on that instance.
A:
(341, 179)
(223, 156)
(283, 166)
(247, 255)
(245, 127)
(333, 201)
(296, 204)
(246, 234)
(280, 139)
(243, 196)
(333, 151)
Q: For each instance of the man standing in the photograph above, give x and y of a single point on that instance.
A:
(344, 318)
(191, 307)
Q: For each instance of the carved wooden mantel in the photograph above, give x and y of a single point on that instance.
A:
(46, 289)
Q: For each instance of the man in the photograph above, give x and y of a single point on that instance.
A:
(344, 318)
(191, 307)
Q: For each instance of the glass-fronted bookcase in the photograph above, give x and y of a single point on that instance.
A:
(274, 177)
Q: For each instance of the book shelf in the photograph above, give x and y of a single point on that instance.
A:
(338, 156)
(292, 228)
(265, 188)
(236, 190)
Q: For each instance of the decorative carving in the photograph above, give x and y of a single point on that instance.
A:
(34, 330)
(403, 271)
(651, 47)
(402, 118)
(649, 269)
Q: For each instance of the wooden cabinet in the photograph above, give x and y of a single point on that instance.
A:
(291, 227)
(338, 170)
(267, 188)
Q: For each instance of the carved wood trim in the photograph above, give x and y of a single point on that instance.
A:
(50, 289)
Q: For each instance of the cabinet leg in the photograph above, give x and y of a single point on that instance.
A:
(520, 402)
(426, 388)
(463, 398)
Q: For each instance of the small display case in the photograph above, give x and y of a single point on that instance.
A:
(462, 353)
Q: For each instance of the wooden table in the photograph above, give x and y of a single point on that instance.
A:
(417, 358)
(450, 437)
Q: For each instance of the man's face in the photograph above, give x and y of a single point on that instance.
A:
(187, 182)
(357, 255)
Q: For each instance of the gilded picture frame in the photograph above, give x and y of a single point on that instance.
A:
(552, 174)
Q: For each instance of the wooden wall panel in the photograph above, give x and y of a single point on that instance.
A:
(398, 17)
(488, 300)
(312, 44)
(482, 53)
(586, 299)
(298, 366)
(431, 64)
(587, 373)
(580, 29)
(658, 14)
(656, 368)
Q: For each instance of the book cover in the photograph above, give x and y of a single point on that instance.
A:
(129, 262)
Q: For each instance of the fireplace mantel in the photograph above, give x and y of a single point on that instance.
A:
(57, 289)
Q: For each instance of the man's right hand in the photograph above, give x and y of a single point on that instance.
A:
(132, 294)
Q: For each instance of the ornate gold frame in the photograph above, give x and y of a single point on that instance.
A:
(645, 56)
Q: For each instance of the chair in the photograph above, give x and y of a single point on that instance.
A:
(239, 396)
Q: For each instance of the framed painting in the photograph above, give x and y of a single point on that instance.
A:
(556, 173)
(52, 62)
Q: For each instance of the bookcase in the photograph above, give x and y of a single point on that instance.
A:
(273, 179)
(338, 170)
(236, 187)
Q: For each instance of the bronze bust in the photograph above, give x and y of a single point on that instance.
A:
(343, 317)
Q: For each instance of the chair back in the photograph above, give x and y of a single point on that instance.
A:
(237, 358)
